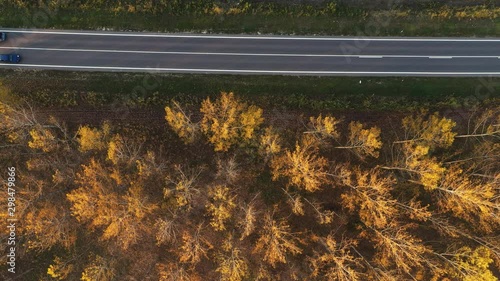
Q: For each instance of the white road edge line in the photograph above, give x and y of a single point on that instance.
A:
(248, 71)
(233, 54)
(370, 57)
(263, 37)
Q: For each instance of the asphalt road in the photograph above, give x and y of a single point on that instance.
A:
(238, 54)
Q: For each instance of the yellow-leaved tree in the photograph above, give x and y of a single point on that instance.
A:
(227, 121)
(474, 200)
(471, 265)
(248, 222)
(232, 266)
(303, 167)
(334, 261)
(432, 131)
(397, 248)
(269, 143)
(122, 216)
(60, 269)
(369, 195)
(175, 272)
(93, 138)
(323, 128)
(49, 225)
(183, 186)
(123, 149)
(220, 207)
(415, 161)
(42, 139)
(194, 246)
(16, 121)
(363, 142)
(181, 123)
(100, 269)
(276, 241)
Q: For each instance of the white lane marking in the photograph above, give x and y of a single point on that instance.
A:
(208, 70)
(370, 57)
(440, 57)
(233, 54)
(263, 37)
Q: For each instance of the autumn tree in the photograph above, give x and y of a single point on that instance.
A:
(228, 120)
(483, 125)
(194, 246)
(248, 222)
(220, 206)
(396, 247)
(303, 167)
(428, 130)
(182, 185)
(296, 203)
(276, 241)
(175, 272)
(299, 203)
(42, 139)
(16, 121)
(472, 265)
(49, 225)
(124, 149)
(369, 195)
(167, 230)
(150, 166)
(334, 261)
(480, 144)
(422, 168)
(100, 269)
(181, 123)
(122, 216)
(93, 138)
(231, 264)
(228, 170)
(60, 269)
(323, 128)
(363, 142)
(475, 200)
(269, 144)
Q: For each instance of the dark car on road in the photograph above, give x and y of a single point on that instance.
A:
(3, 36)
(10, 58)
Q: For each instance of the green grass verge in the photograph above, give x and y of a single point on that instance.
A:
(87, 89)
(395, 23)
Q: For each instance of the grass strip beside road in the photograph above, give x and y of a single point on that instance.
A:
(366, 23)
(61, 89)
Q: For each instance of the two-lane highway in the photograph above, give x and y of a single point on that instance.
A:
(239, 54)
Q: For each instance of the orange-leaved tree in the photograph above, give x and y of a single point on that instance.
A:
(276, 241)
(303, 167)
(334, 261)
(228, 120)
(181, 123)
